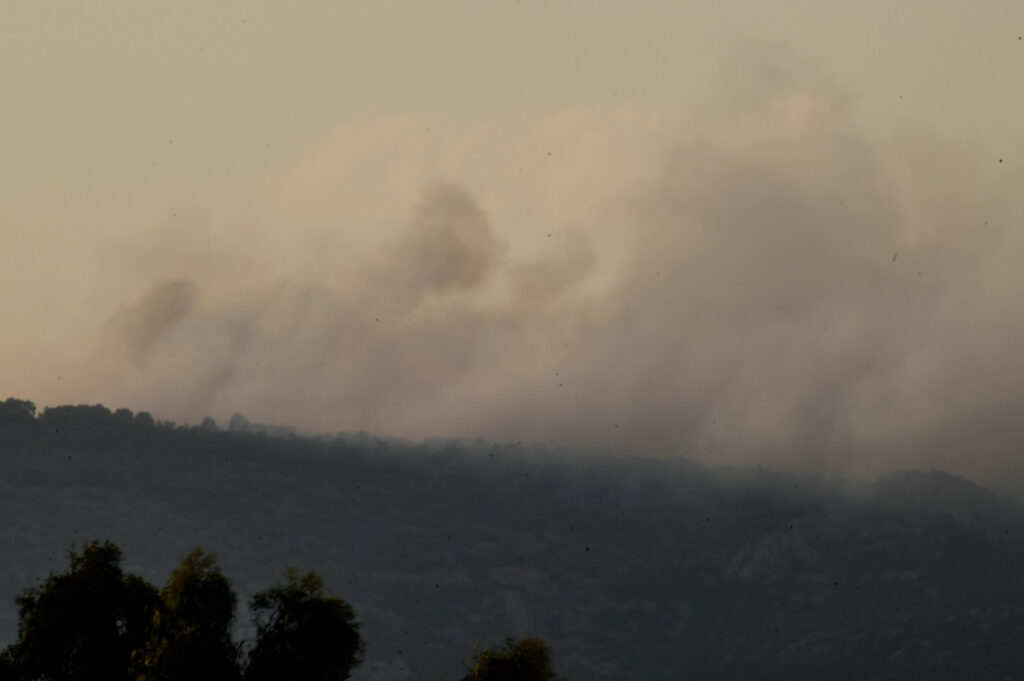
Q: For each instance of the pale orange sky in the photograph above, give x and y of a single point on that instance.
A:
(258, 148)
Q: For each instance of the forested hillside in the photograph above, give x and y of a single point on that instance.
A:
(630, 568)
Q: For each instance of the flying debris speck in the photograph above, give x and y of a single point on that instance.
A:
(895, 255)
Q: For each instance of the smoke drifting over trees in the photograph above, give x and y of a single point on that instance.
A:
(738, 301)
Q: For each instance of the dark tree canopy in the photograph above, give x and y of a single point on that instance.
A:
(82, 624)
(191, 633)
(95, 623)
(303, 633)
(238, 423)
(17, 411)
(528, 659)
(144, 419)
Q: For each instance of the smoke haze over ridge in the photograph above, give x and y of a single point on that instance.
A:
(771, 281)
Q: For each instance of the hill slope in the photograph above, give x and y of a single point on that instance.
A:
(630, 568)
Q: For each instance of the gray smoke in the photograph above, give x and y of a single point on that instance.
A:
(795, 292)
(144, 324)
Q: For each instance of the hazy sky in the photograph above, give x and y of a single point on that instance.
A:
(787, 232)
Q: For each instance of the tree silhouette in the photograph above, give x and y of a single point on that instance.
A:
(528, 659)
(191, 634)
(303, 633)
(83, 624)
(238, 423)
(96, 623)
(17, 411)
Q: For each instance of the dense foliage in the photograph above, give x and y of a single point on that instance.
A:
(528, 659)
(190, 636)
(304, 633)
(630, 567)
(83, 624)
(93, 622)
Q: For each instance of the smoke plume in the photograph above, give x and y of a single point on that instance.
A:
(785, 285)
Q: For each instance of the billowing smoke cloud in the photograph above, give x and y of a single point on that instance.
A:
(449, 245)
(789, 289)
(145, 323)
